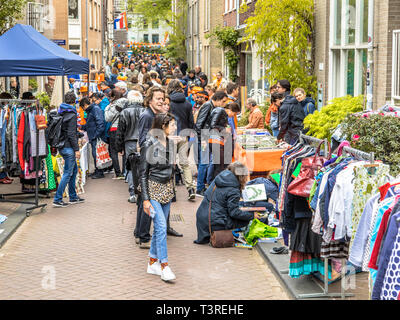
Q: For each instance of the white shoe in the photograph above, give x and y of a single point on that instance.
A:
(154, 268)
(167, 274)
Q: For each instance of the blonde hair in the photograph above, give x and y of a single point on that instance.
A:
(299, 89)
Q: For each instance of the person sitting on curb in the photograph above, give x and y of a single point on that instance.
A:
(224, 194)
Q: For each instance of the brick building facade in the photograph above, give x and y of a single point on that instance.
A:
(341, 49)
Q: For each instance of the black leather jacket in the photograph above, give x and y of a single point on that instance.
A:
(204, 117)
(219, 119)
(155, 165)
(128, 128)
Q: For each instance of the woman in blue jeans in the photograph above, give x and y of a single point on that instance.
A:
(157, 190)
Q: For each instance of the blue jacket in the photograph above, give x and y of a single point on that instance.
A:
(308, 105)
(225, 212)
(103, 105)
(95, 123)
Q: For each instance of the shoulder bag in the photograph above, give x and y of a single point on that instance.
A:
(220, 238)
(301, 186)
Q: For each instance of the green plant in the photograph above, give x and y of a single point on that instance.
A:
(10, 12)
(375, 133)
(44, 99)
(283, 33)
(33, 84)
(227, 39)
(322, 123)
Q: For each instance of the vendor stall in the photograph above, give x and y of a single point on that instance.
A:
(258, 150)
(26, 52)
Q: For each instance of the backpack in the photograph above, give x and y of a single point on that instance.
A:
(53, 130)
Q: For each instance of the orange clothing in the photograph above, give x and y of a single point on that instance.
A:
(272, 108)
(256, 119)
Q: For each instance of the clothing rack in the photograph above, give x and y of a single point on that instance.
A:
(360, 155)
(34, 204)
(325, 289)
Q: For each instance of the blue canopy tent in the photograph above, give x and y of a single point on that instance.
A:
(26, 52)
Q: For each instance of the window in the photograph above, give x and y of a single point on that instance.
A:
(206, 15)
(90, 13)
(73, 9)
(94, 15)
(155, 24)
(348, 47)
(227, 6)
(155, 38)
(396, 65)
(146, 38)
(35, 15)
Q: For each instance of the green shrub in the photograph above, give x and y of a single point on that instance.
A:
(376, 133)
(44, 99)
(321, 124)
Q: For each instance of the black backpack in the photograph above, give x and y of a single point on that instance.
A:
(53, 130)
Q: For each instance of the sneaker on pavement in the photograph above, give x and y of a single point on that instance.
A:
(132, 199)
(77, 200)
(144, 245)
(137, 240)
(200, 194)
(98, 176)
(192, 195)
(167, 274)
(60, 204)
(154, 268)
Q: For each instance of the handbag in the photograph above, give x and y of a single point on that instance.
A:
(103, 159)
(40, 121)
(301, 186)
(220, 238)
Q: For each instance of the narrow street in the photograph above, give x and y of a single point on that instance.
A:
(90, 253)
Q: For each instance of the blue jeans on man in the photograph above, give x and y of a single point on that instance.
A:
(69, 175)
(204, 171)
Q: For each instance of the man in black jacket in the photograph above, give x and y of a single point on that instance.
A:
(202, 128)
(127, 138)
(95, 130)
(181, 109)
(291, 115)
(154, 103)
(69, 152)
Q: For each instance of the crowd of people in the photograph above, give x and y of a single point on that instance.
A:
(152, 114)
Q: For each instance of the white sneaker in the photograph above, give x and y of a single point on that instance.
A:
(167, 274)
(154, 268)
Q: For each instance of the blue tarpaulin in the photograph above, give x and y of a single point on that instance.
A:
(26, 52)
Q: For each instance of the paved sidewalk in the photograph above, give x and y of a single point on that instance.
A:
(87, 251)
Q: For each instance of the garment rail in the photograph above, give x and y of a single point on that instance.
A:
(325, 289)
(34, 204)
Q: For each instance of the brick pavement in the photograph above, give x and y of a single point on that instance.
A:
(89, 250)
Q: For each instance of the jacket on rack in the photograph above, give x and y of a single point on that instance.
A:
(69, 126)
(225, 212)
(95, 124)
(181, 109)
(154, 165)
(128, 128)
(291, 117)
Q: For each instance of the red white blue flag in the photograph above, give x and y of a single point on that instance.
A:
(121, 22)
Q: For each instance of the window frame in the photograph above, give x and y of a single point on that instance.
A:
(338, 67)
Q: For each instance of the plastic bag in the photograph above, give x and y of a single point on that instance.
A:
(256, 229)
(103, 159)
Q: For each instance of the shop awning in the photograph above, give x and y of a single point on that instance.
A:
(26, 52)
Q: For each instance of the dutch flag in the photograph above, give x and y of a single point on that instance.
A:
(121, 22)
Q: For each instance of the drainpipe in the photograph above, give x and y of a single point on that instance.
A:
(370, 62)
